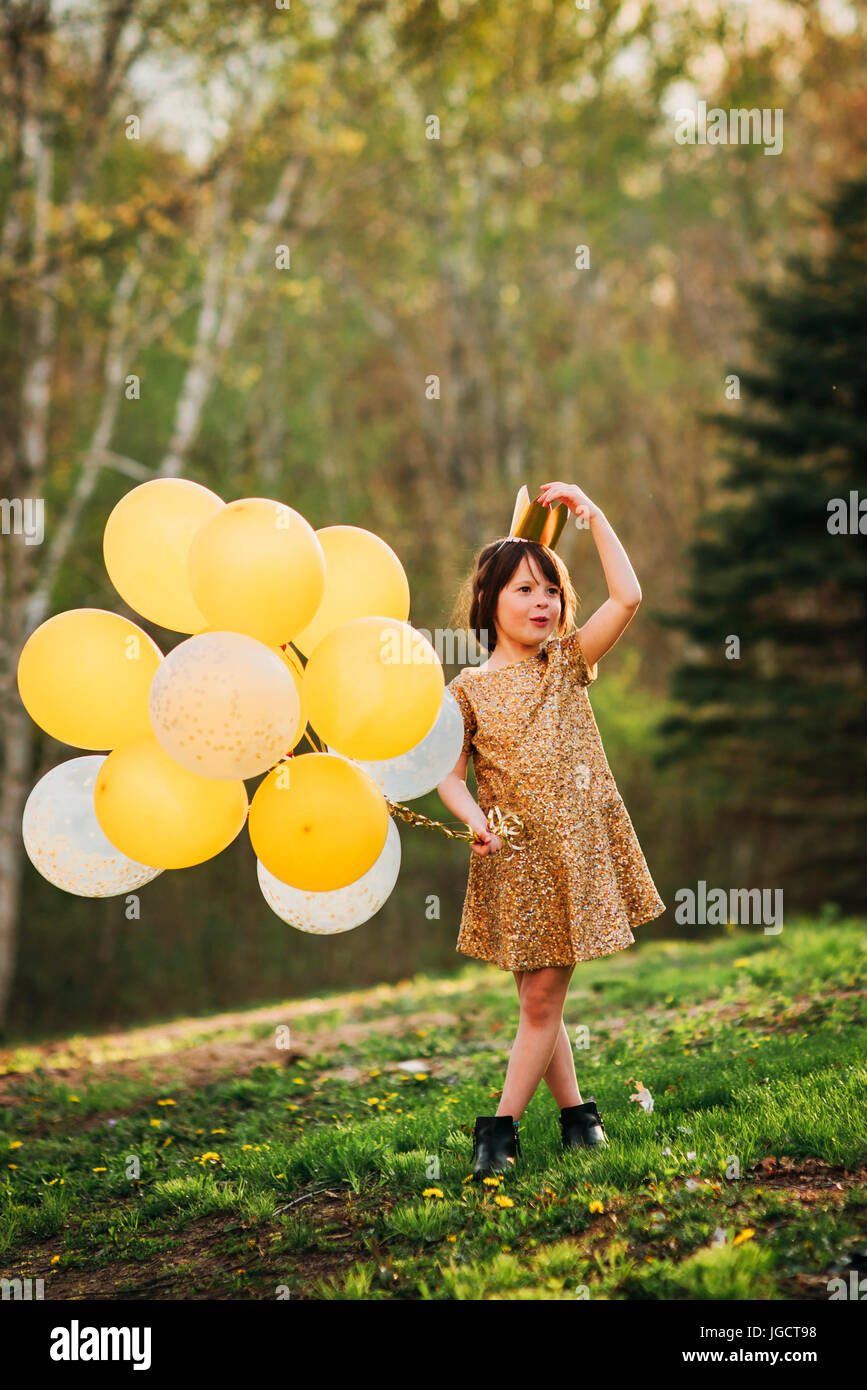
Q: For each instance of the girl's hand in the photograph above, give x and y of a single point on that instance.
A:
(577, 501)
(489, 843)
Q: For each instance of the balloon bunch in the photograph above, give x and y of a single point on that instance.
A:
(244, 579)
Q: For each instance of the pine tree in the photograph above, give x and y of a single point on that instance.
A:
(770, 695)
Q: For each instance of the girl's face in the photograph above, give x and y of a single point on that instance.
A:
(528, 598)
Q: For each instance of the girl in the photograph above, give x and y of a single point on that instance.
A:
(581, 881)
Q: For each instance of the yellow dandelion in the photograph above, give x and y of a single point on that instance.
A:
(432, 1192)
(741, 960)
(744, 1235)
(11, 1165)
(419, 1076)
(373, 1100)
(165, 1102)
(491, 1181)
(421, 1032)
(246, 1146)
(504, 1201)
(451, 1239)
(376, 1072)
(74, 1100)
(16, 1143)
(100, 1170)
(55, 1259)
(155, 1124)
(167, 1141)
(596, 1206)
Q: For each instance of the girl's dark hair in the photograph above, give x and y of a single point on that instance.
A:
(494, 566)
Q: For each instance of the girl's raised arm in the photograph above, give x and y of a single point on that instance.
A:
(603, 627)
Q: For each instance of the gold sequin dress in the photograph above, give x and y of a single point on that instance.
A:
(582, 881)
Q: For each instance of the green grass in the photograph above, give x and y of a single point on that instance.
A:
(292, 1181)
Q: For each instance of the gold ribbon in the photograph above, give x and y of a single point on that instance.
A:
(508, 826)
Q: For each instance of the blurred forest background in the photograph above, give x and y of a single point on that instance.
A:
(432, 168)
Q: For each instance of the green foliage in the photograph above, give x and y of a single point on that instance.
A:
(770, 702)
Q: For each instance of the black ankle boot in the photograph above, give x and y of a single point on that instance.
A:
(581, 1126)
(495, 1145)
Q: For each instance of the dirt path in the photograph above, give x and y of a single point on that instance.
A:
(164, 1056)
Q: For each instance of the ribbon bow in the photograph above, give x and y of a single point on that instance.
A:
(508, 826)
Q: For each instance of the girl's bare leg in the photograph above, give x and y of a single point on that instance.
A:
(560, 1077)
(541, 1032)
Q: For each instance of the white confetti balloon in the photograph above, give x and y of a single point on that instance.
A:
(65, 841)
(338, 909)
(224, 705)
(423, 767)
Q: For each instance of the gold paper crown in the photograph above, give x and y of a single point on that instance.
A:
(531, 521)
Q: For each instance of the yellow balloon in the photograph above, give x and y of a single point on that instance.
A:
(373, 688)
(145, 546)
(362, 576)
(317, 822)
(157, 813)
(257, 567)
(84, 676)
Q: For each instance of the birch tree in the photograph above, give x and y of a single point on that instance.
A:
(50, 221)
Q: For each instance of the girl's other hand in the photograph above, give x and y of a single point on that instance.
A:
(489, 844)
